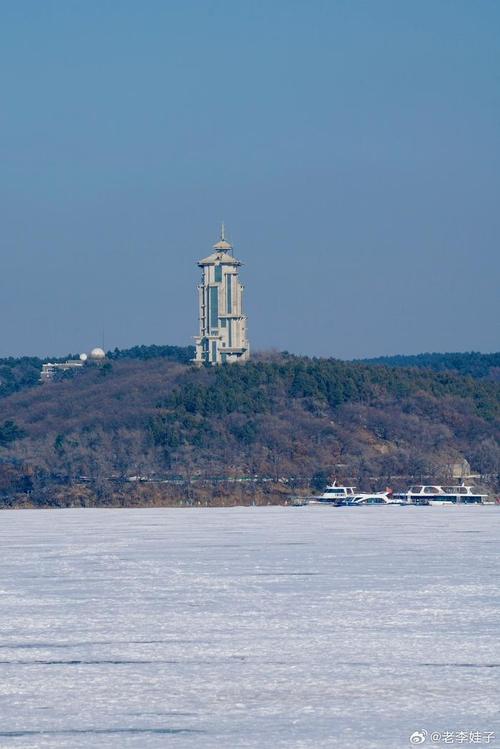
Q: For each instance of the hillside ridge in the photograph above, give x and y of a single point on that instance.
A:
(147, 428)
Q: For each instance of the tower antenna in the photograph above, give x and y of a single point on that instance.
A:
(222, 232)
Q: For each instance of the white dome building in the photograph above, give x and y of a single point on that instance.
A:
(97, 354)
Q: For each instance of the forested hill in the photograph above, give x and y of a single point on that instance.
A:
(149, 429)
(20, 373)
(472, 363)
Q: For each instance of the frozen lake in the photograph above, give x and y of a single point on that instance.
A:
(273, 628)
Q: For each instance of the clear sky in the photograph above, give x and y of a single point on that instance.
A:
(351, 147)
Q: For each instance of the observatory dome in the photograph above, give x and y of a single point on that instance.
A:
(97, 353)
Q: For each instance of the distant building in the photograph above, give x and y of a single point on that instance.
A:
(223, 325)
(51, 369)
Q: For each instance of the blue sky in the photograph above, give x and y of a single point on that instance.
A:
(352, 148)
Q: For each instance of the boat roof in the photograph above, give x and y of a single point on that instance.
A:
(440, 489)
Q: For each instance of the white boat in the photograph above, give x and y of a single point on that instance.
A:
(442, 495)
(335, 494)
(377, 498)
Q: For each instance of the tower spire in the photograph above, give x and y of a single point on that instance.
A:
(222, 232)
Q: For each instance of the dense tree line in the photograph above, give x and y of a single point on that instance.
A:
(21, 373)
(182, 354)
(296, 415)
(256, 387)
(472, 363)
(18, 374)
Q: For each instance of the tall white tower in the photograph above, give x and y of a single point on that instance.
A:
(223, 326)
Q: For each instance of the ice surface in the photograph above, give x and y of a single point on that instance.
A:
(302, 628)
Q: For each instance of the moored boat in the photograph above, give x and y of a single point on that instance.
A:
(377, 498)
(340, 496)
(335, 494)
(442, 495)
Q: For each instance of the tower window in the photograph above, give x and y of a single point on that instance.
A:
(214, 306)
(229, 299)
(218, 273)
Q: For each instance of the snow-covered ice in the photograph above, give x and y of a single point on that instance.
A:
(296, 628)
